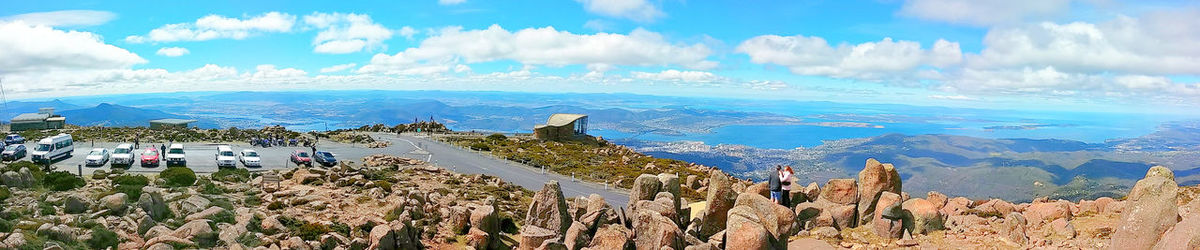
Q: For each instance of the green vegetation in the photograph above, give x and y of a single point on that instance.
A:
(497, 137)
(103, 238)
(131, 185)
(595, 161)
(178, 176)
(275, 205)
(146, 135)
(62, 181)
(34, 168)
(232, 175)
(5, 193)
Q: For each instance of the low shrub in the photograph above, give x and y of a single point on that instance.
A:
(46, 208)
(178, 176)
(62, 181)
(207, 240)
(34, 168)
(275, 205)
(252, 200)
(497, 137)
(5, 193)
(224, 216)
(255, 224)
(232, 175)
(249, 240)
(102, 238)
(311, 231)
(134, 180)
(6, 226)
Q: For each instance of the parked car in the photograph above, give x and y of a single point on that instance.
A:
(225, 157)
(98, 157)
(175, 155)
(13, 152)
(150, 157)
(300, 157)
(54, 147)
(123, 154)
(249, 158)
(324, 158)
(14, 139)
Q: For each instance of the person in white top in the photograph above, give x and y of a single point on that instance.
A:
(785, 180)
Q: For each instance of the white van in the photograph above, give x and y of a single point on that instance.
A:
(175, 155)
(225, 157)
(52, 148)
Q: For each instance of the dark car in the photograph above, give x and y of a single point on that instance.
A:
(300, 157)
(325, 158)
(13, 152)
(14, 139)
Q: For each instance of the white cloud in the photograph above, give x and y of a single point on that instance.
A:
(679, 76)
(886, 59)
(1159, 43)
(346, 33)
(598, 25)
(407, 32)
(540, 46)
(337, 68)
(28, 48)
(172, 51)
(268, 72)
(953, 97)
(218, 27)
(983, 12)
(64, 18)
(451, 2)
(637, 10)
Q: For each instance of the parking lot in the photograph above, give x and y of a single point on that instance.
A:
(201, 157)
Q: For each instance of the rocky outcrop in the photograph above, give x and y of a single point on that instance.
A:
(1151, 211)
(397, 235)
(76, 203)
(533, 236)
(114, 203)
(888, 221)
(18, 179)
(612, 236)
(548, 210)
(1013, 229)
(840, 191)
(757, 223)
(873, 180)
(925, 217)
(644, 188)
(152, 203)
(720, 199)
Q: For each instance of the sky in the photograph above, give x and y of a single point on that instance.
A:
(1092, 55)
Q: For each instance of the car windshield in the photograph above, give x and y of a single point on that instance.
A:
(122, 151)
(96, 152)
(10, 137)
(43, 147)
(150, 152)
(175, 151)
(226, 153)
(11, 147)
(251, 154)
(326, 155)
(302, 154)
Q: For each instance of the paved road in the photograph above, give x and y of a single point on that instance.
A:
(201, 158)
(462, 161)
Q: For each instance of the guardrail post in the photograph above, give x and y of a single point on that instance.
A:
(80, 168)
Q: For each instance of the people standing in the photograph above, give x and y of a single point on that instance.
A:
(162, 150)
(775, 186)
(785, 180)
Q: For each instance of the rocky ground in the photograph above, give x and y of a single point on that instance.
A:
(388, 202)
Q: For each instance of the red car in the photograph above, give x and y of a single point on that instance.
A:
(150, 157)
(301, 157)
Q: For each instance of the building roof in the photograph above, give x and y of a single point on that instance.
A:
(56, 119)
(559, 120)
(30, 117)
(173, 121)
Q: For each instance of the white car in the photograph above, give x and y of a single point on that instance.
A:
(249, 158)
(175, 155)
(98, 157)
(123, 154)
(225, 157)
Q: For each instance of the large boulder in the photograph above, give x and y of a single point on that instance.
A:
(760, 188)
(925, 217)
(548, 210)
(840, 191)
(652, 230)
(812, 191)
(397, 235)
(1151, 210)
(1013, 229)
(720, 199)
(888, 220)
(533, 236)
(486, 218)
(1041, 213)
(873, 180)
(1185, 235)
(577, 236)
(115, 203)
(612, 236)
(193, 204)
(745, 232)
(999, 207)
(152, 203)
(192, 228)
(76, 203)
(810, 244)
(644, 188)
(844, 216)
(956, 206)
(458, 220)
(18, 179)
(670, 184)
(1102, 204)
(939, 200)
(778, 220)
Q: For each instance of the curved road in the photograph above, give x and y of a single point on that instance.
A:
(463, 161)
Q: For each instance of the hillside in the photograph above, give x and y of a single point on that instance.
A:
(111, 115)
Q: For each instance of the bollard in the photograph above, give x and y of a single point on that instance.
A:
(80, 168)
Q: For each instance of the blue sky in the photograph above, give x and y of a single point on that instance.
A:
(1094, 55)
